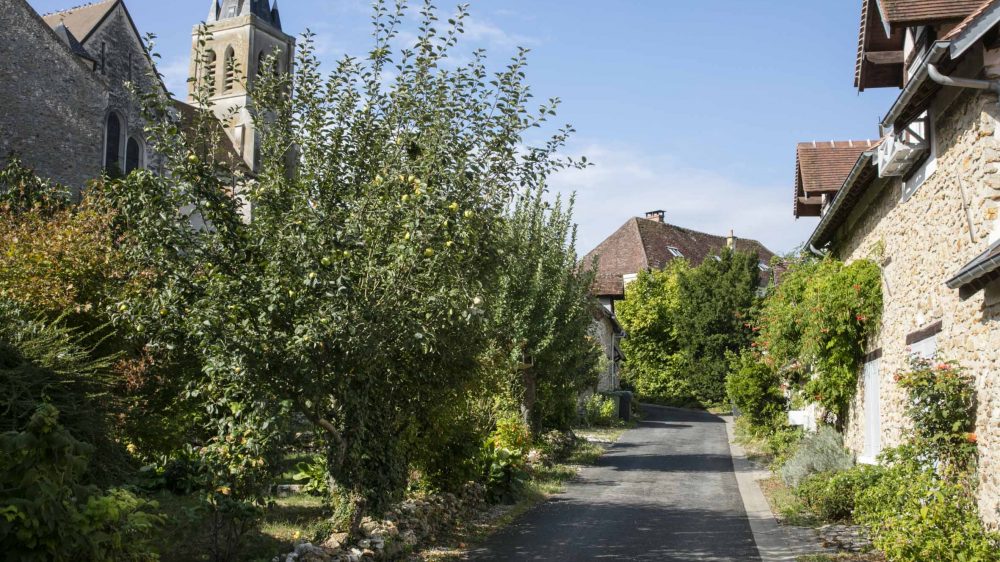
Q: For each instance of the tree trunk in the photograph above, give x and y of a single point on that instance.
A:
(529, 398)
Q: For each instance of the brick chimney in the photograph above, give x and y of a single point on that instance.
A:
(656, 215)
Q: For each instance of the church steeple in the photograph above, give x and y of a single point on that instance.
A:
(213, 12)
(230, 9)
(243, 35)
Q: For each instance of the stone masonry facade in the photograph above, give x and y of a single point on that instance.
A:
(921, 242)
(53, 103)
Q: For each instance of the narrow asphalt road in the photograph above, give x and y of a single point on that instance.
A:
(666, 491)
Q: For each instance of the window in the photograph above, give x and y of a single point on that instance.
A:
(230, 63)
(130, 66)
(231, 12)
(133, 155)
(925, 348)
(112, 143)
(923, 127)
(677, 253)
(209, 63)
(873, 414)
(104, 57)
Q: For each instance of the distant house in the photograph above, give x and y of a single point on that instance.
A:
(645, 244)
(924, 203)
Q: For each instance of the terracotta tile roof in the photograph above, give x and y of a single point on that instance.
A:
(908, 12)
(821, 168)
(643, 244)
(81, 20)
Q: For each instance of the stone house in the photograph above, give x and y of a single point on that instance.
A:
(64, 85)
(923, 203)
(644, 244)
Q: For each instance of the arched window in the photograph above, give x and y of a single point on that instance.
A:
(133, 155)
(208, 71)
(113, 143)
(230, 70)
(261, 60)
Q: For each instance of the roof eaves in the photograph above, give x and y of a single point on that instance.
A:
(977, 273)
(974, 30)
(839, 200)
(932, 56)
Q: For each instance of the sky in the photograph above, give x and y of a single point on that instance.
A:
(690, 107)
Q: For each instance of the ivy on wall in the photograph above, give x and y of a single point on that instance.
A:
(815, 324)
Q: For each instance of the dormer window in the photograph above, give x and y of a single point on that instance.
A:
(677, 253)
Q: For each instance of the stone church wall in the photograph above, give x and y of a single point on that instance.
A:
(53, 105)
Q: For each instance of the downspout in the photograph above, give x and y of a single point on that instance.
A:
(936, 76)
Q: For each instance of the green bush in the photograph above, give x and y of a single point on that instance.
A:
(755, 389)
(831, 495)
(600, 411)
(505, 473)
(48, 515)
(942, 406)
(916, 513)
(314, 476)
(822, 451)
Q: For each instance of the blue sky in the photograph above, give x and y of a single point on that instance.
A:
(691, 107)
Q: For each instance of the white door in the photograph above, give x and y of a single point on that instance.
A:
(873, 414)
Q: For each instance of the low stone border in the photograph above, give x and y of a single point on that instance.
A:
(775, 543)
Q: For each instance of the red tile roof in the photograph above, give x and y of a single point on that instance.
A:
(81, 20)
(902, 13)
(821, 168)
(643, 244)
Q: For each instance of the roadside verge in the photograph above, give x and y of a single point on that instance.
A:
(775, 543)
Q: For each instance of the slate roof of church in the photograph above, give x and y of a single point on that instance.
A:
(81, 20)
(67, 37)
(644, 244)
(260, 8)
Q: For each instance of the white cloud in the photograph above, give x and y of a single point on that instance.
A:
(625, 182)
(175, 75)
(480, 30)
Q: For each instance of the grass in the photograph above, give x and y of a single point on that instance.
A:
(786, 506)
(185, 537)
(842, 557)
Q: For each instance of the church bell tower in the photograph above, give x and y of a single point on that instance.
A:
(244, 34)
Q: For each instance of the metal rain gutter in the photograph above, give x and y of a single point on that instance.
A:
(932, 56)
(972, 273)
(838, 200)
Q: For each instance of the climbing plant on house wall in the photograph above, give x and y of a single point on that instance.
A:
(815, 326)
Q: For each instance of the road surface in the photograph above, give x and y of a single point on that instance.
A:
(666, 491)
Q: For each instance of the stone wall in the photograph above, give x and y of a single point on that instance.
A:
(52, 103)
(922, 242)
(125, 61)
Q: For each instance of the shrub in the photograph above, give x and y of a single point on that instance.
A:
(822, 451)
(942, 405)
(754, 388)
(314, 477)
(916, 513)
(831, 495)
(47, 514)
(600, 411)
